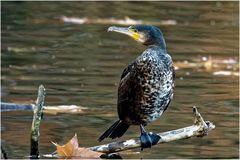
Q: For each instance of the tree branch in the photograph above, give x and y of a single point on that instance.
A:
(70, 109)
(37, 116)
(6, 107)
(198, 129)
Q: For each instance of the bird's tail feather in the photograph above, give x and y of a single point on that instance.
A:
(116, 130)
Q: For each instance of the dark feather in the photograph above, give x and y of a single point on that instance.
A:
(146, 87)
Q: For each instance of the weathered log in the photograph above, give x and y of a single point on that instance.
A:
(37, 116)
(198, 129)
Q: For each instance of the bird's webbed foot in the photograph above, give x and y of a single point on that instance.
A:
(148, 139)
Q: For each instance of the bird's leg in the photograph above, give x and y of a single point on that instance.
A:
(148, 139)
(145, 139)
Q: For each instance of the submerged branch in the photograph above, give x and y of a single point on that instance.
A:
(37, 116)
(71, 109)
(198, 129)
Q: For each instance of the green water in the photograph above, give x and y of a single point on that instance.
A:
(82, 64)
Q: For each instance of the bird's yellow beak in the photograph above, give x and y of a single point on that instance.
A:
(127, 31)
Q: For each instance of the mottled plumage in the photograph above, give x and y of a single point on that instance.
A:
(146, 86)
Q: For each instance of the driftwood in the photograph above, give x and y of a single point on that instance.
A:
(37, 116)
(200, 128)
(70, 109)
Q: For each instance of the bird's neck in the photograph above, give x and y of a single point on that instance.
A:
(159, 42)
(158, 47)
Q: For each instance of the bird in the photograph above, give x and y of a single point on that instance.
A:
(146, 86)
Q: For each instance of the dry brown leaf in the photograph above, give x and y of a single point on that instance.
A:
(71, 150)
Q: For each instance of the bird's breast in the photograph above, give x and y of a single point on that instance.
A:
(154, 75)
(147, 88)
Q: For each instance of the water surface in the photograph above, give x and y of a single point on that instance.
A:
(82, 64)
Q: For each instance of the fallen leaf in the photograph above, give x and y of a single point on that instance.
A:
(71, 150)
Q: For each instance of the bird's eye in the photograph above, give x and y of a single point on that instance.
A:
(134, 30)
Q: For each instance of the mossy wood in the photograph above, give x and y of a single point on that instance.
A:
(37, 116)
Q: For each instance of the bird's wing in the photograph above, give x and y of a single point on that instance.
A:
(131, 91)
(127, 70)
(126, 90)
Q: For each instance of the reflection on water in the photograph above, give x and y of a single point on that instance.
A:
(82, 64)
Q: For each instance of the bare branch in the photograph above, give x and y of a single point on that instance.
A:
(198, 129)
(70, 109)
(5, 107)
(37, 116)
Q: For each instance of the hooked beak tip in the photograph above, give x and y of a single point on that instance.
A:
(110, 29)
(122, 30)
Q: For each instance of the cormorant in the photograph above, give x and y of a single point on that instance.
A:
(146, 86)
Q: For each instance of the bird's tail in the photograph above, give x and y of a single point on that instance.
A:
(116, 130)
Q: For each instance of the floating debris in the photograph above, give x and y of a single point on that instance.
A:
(204, 58)
(208, 65)
(74, 20)
(225, 73)
(126, 21)
(215, 65)
(230, 61)
(17, 50)
(185, 64)
(72, 109)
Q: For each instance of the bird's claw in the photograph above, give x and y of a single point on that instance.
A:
(154, 137)
(149, 139)
(145, 140)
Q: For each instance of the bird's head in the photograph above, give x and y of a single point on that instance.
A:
(147, 35)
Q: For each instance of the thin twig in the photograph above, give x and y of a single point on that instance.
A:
(198, 129)
(3, 153)
(37, 116)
